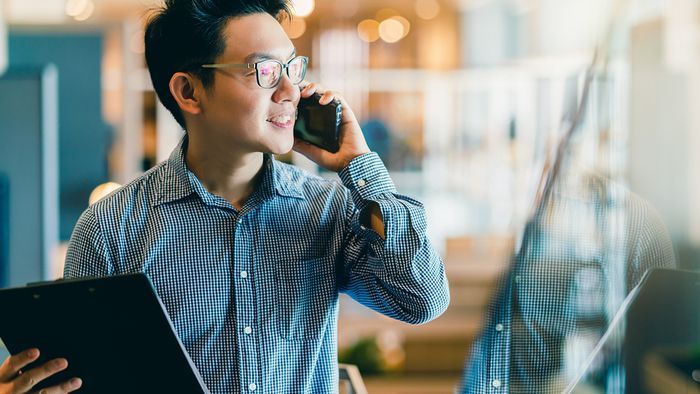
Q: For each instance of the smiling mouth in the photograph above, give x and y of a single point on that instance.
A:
(282, 120)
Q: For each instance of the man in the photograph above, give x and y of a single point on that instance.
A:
(249, 254)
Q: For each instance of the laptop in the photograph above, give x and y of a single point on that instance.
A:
(114, 332)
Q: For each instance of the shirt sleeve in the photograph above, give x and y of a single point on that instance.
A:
(87, 254)
(400, 276)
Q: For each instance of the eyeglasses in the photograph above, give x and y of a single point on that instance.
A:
(268, 72)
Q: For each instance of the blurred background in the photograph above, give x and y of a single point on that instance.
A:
(466, 102)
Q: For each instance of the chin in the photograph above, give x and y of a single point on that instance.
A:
(279, 141)
(280, 148)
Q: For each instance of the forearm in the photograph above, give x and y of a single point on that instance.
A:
(372, 218)
(389, 265)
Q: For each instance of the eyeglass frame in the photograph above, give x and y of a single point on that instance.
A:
(285, 68)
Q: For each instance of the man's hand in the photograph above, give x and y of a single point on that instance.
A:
(15, 381)
(352, 142)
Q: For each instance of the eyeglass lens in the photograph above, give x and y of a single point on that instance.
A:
(269, 71)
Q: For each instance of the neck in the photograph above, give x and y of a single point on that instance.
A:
(223, 171)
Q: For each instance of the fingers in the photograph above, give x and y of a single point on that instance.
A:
(65, 387)
(326, 95)
(30, 378)
(308, 89)
(13, 364)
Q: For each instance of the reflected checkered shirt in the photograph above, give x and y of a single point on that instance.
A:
(582, 255)
(253, 294)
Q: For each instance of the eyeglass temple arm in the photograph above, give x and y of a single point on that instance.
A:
(228, 65)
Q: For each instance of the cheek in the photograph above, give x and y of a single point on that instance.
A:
(244, 110)
(237, 102)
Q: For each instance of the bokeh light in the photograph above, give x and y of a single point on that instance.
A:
(385, 13)
(427, 9)
(303, 8)
(391, 30)
(368, 30)
(405, 23)
(80, 10)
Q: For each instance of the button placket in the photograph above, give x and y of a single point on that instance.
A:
(245, 312)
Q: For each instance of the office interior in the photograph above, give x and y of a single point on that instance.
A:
(537, 133)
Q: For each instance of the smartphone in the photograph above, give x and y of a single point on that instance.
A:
(319, 124)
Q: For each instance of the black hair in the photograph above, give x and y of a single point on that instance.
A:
(184, 34)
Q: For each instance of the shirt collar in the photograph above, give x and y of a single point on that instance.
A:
(280, 175)
(178, 182)
(174, 182)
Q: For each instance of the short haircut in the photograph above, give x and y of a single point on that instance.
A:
(184, 34)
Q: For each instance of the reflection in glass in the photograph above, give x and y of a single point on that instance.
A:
(587, 244)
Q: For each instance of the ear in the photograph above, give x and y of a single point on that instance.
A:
(187, 92)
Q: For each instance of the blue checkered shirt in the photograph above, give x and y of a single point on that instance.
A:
(253, 293)
(586, 249)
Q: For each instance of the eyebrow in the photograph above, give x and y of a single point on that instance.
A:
(258, 56)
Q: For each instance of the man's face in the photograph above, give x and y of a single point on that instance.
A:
(235, 110)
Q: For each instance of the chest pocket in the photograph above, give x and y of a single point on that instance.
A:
(305, 295)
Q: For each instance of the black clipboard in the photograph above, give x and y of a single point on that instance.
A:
(114, 332)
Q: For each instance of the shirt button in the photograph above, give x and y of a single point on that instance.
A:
(496, 383)
(247, 330)
(361, 182)
(244, 274)
(252, 386)
(499, 327)
(240, 220)
(518, 279)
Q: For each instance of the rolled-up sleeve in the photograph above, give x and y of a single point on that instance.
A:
(400, 276)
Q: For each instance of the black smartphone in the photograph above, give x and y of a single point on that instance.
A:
(319, 124)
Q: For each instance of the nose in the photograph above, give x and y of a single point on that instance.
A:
(286, 90)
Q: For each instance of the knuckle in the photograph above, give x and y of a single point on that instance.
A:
(28, 380)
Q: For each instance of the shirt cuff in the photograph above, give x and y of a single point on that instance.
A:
(367, 179)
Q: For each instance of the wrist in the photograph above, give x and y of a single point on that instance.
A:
(346, 162)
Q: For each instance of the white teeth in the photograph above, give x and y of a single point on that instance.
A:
(281, 119)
